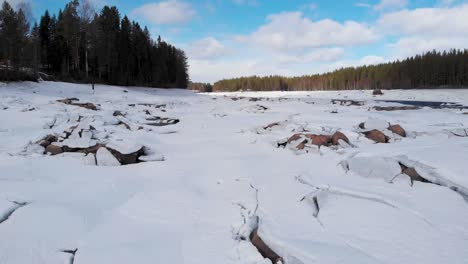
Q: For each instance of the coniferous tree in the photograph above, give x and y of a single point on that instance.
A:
(80, 45)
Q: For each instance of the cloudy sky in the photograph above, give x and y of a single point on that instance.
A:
(231, 38)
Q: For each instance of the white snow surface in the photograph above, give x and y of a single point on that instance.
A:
(219, 168)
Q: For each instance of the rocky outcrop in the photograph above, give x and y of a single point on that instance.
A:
(397, 129)
(377, 92)
(316, 140)
(376, 136)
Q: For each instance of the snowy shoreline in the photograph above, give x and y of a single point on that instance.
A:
(206, 182)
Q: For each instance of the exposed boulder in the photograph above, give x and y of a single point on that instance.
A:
(302, 145)
(412, 173)
(54, 149)
(294, 137)
(377, 92)
(271, 125)
(376, 136)
(397, 129)
(339, 136)
(73, 101)
(119, 113)
(264, 249)
(319, 140)
(126, 153)
(47, 140)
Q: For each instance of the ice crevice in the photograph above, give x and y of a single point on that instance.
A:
(9, 212)
(72, 253)
(249, 232)
(313, 196)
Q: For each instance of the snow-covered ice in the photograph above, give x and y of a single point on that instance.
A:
(206, 182)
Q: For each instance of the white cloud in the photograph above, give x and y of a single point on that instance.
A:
(438, 22)
(361, 4)
(366, 60)
(390, 4)
(287, 44)
(290, 31)
(424, 29)
(166, 12)
(316, 55)
(410, 46)
(206, 49)
(246, 2)
(447, 2)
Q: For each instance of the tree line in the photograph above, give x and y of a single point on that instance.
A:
(429, 70)
(79, 44)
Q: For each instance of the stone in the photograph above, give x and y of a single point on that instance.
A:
(51, 138)
(271, 125)
(377, 92)
(54, 149)
(412, 173)
(302, 145)
(376, 136)
(337, 137)
(294, 137)
(319, 140)
(44, 143)
(397, 129)
(126, 155)
(119, 113)
(264, 249)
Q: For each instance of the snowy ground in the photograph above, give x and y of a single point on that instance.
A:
(218, 174)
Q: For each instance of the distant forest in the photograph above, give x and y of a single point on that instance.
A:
(80, 44)
(430, 70)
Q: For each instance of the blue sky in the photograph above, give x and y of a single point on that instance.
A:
(231, 38)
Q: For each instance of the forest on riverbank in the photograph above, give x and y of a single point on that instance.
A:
(430, 70)
(80, 45)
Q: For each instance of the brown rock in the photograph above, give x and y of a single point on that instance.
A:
(271, 125)
(376, 136)
(319, 140)
(89, 106)
(126, 159)
(264, 249)
(412, 173)
(44, 143)
(68, 100)
(337, 137)
(54, 149)
(51, 138)
(302, 145)
(397, 129)
(377, 92)
(119, 113)
(295, 137)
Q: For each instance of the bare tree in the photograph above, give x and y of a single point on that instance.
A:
(87, 13)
